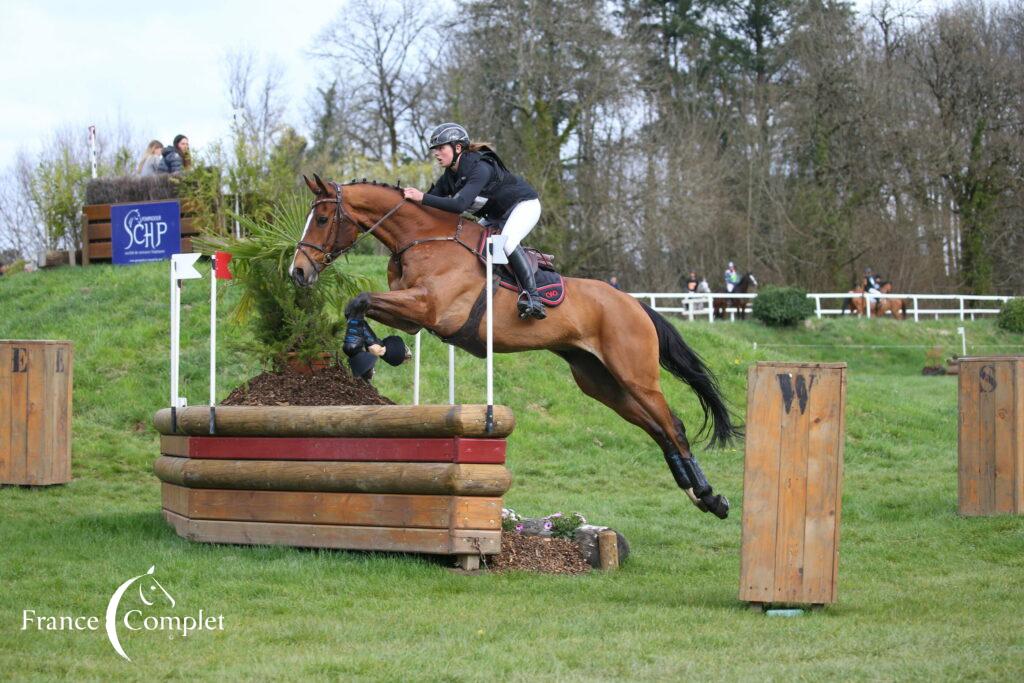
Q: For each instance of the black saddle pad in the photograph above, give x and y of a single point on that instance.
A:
(550, 284)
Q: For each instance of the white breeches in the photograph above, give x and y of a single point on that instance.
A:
(520, 222)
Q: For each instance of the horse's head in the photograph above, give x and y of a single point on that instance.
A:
(329, 231)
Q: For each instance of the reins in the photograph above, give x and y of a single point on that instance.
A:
(341, 212)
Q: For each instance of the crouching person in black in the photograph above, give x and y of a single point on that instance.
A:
(363, 348)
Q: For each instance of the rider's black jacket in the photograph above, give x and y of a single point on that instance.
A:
(480, 175)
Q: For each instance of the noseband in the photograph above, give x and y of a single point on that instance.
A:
(340, 213)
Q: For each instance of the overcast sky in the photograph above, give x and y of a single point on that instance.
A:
(156, 68)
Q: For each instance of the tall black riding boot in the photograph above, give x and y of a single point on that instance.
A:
(530, 305)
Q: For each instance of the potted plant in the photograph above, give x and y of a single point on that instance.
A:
(300, 327)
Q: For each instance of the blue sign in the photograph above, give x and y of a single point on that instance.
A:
(145, 232)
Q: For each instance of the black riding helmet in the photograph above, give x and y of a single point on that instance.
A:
(448, 134)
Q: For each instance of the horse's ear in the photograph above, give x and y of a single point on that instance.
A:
(320, 184)
(311, 185)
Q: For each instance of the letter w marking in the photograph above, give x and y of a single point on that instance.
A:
(803, 390)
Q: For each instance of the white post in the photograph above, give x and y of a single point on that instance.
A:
(92, 150)
(652, 304)
(961, 299)
(182, 268)
(495, 247)
(963, 341)
(451, 375)
(867, 305)
(817, 306)
(416, 372)
(175, 284)
(490, 332)
(213, 341)
(914, 299)
(689, 307)
(711, 307)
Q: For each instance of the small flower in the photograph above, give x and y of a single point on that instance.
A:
(554, 516)
(548, 526)
(519, 527)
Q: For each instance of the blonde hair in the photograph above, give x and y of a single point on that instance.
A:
(152, 149)
(480, 146)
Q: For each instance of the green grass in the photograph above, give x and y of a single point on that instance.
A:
(924, 594)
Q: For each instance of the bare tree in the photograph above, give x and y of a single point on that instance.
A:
(381, 61)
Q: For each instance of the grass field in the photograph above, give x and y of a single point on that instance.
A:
(923, 593)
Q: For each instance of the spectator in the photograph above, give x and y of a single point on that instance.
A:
(614, 282)
(149, 164)
(177, 157)
(732, 278)
(692, 283)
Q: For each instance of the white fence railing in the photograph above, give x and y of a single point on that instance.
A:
(701, 305)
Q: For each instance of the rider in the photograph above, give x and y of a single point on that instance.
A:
(732, 278)
(872, 285)
(476, 180)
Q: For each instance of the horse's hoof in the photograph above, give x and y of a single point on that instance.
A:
(358, 306)
(717, 505)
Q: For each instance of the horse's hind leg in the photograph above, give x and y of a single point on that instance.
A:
(598, 382)
(638, 374)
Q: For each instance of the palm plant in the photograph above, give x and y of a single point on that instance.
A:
(284, 318)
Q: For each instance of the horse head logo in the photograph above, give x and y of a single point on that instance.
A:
(150, 591)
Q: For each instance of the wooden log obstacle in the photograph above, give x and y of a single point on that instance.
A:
(35, 412)
(424, 479)
(792, 483)
(991, 436)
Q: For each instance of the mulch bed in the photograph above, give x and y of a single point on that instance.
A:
(520, 552)
(333, 386)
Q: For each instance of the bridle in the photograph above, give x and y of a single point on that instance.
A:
(340, 212)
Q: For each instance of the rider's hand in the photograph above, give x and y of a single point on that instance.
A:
(376, 349)
(413, 194)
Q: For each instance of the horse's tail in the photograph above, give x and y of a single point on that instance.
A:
(683, 362)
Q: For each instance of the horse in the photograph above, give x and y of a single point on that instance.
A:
(740, 303)
(856, 303)
(896, 307)
(612, 342)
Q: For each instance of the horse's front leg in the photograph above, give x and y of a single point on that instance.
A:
(405, 309)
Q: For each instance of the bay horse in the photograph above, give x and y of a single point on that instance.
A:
(722, 305)
(896, 307)
(856, 304)
(612, 342)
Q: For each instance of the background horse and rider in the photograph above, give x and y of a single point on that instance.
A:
(723, 304)
(612, 342)
(857, 304)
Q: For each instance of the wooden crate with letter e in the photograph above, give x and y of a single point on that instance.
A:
(792, 483)
(35, 412)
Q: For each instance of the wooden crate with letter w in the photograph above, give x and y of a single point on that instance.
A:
(792, 483)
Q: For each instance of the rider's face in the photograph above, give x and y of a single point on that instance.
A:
(444, 155)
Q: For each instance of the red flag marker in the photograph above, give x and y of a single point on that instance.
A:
(223, 272)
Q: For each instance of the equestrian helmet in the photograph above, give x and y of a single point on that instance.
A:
(448, 134)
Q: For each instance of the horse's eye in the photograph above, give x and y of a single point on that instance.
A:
(321, 220)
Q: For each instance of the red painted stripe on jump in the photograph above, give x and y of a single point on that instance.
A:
(352, 449)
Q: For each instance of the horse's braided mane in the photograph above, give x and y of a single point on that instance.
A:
(376, 183)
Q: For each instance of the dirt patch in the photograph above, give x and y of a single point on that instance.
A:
(538, 554)
(333, 386)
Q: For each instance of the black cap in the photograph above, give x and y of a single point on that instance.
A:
(362, 365)
(395, 350)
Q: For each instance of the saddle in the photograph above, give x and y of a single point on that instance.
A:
(550, 284)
